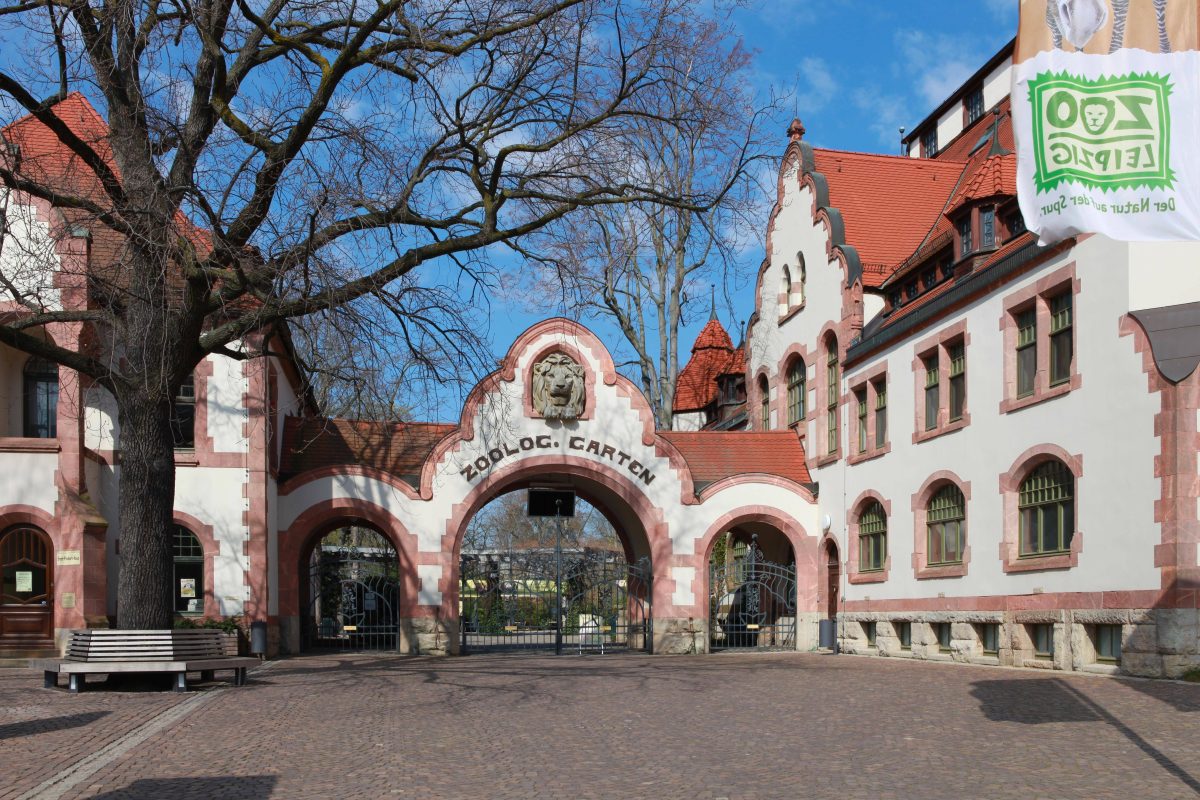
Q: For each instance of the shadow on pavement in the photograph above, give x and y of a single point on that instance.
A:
(32, 727)
(1033, 702)
(1181, 698)
(249, 787)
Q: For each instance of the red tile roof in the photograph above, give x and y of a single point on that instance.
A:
(397, 448)
(714, 455)
(888, 203)
(713, 355)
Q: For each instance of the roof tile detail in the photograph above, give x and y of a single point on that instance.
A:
(715, 455)
(393, 447)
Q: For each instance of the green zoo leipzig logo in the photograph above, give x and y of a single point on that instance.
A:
(1105, 133)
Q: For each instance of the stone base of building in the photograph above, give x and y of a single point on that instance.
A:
(429, 636)
(1154, 643)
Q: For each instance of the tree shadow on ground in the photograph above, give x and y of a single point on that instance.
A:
(248, 787)
(1037, 702)
(33, 727)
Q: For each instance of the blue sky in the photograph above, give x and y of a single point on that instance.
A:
(854, 72)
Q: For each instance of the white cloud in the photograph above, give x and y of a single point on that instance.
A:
(1004, 10)
(887, 113)
(939, 63)
(815, 85)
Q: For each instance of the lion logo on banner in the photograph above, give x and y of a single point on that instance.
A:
(558, 387)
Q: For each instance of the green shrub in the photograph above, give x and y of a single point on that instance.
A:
(228, 624)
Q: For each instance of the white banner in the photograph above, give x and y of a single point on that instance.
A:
(1106, 110)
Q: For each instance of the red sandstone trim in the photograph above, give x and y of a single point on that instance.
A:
(1049, 601)
(347, 471)
(212, 549)
(920, 509)
(939, 343)
(1037, 295)
(756, 478)
(867, 382)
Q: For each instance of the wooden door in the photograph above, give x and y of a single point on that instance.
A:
(27, 588)
(833, 569)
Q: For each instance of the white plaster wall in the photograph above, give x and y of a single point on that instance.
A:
(29, 257)
(28, 479)
(1109, 420)
(873, 306)
(1163, 274)
(227, 413)
(100, 425)
(998, 84)
(215, 497)
(693, 421)
(104, 493)
(949, 125)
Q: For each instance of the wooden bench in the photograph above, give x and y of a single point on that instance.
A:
(200, 650)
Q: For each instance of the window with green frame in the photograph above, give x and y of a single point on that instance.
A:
(880, 413)
(188, 577)
(1046, 510)
(958, 380)
(1041, 636)
(796, 389)
(832, 387)
(1107, 639)
(860, 400)
(946, 522)
(872, 538)
(932, 391)
(904, 634)
(1061, 308)
(764, 394)
(1026, 351)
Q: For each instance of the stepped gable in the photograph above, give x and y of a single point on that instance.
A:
(398, 448)
(887, 203)
(715, 455)
(713, 355)
(41, 157)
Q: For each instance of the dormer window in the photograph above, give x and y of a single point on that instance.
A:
(974, 104)
(966, 246)
(948, 269)
(1015, 223)
(929, 278)
(910, 291)
(929, 143)
(897, 298)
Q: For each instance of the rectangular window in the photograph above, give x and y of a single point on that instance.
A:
(880, 413)
(869, 632)
(974, 105)
(860, 398)
(1026, 351)
(942, 630)
(1060, 338)
(964, 234)
(1042, 637)
(904, 634)
(987, 227)
(989, 637)
(958, 380)
(183, 416)
(1016, 224)
(929, 277)
(929, 143)
(1107, 639)
(832, 382)
(932, 395)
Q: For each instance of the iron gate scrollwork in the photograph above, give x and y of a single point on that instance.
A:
(354, 593)
(590, 601)
(752, 603)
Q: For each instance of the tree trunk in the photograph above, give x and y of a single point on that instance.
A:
(144, 597)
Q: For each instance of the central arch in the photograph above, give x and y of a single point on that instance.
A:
(639, 528)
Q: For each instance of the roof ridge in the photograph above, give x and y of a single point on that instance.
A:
(892, 156)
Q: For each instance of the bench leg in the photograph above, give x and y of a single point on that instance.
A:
(76, 682)
(50, 679)
(181, 681)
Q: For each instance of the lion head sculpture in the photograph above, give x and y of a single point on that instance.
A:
(558, 387)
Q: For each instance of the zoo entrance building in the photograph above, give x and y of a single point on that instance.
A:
(948, 441)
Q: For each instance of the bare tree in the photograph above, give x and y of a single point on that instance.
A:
(273, 160)
(504, 525)
(645, 265)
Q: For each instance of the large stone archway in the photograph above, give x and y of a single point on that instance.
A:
(557, 410)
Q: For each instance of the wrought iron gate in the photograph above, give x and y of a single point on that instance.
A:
(752, 603)
(589, 601)
(353, 600)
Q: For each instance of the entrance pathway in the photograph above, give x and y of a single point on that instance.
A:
(619, 726)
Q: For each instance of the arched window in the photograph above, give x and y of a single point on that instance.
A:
(764, 400)
(797, 390)
(872, 538)
(946, 520)
(188, 580)
(1047, 510)
(41, 399)
(797, 291)
(832, 391)
(785, 290)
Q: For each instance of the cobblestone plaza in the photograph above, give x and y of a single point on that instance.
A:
(625, 726)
